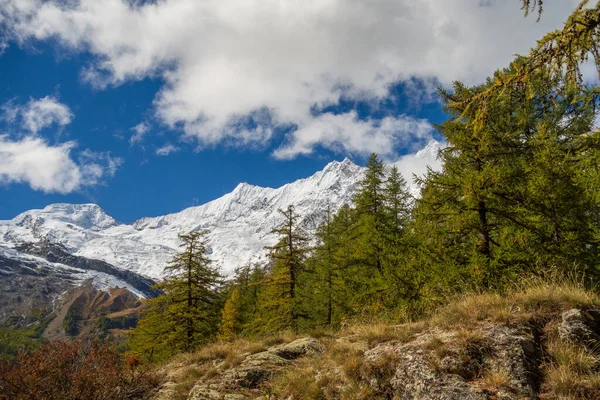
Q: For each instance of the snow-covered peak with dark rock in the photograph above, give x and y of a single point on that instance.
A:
(240, 222)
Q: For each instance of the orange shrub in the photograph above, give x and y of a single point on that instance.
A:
(81, 369)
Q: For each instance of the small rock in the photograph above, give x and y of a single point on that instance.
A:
(254, 369)
(576, 328)
(213, 392)
(298, 348)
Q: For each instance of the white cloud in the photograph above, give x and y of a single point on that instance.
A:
(32, 161)
(96, 166)
(166, 150)
(10, 112)
(138, 133)
(28, 158)
(37, 114)
(346, 133)
(41, 113)
(223, 60)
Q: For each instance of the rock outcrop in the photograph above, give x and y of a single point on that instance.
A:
(450, 365)
(579, 327)
(253, 370)
(509, 360)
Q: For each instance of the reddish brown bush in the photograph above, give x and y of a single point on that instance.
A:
(82, 369)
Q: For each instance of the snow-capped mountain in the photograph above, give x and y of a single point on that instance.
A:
(239, 222)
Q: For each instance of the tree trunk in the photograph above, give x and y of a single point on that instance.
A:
(190, 329)
(484, 234)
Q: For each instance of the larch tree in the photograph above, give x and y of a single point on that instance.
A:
(279, 303)
(397, 204)
(369, 204)
(509, 200)
(329, 261)
(231, 316)
(188, 312)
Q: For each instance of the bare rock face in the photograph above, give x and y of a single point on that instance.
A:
(415, 376)
(446, 366)
(253, 370)
(298, 348)
(517, 353)
(579, 327)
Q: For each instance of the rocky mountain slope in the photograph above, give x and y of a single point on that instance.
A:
(239, 222)
(41, 285)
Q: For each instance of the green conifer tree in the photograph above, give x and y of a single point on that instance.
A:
(369, 204)
(401, 282)
(508, 200)
(231, 316)
(279, 303)
(188, 312)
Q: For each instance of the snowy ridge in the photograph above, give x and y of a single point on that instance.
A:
(239, 222)
(100, 280)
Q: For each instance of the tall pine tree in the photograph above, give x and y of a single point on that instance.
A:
(279, 303)
(188, 312)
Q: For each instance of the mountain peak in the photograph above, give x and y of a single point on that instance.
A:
(432, 148)
(343, 165)
(242, 186)
(73, 208)
(88, 216)
(240, 222)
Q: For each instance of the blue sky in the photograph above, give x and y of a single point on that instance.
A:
(260, 92)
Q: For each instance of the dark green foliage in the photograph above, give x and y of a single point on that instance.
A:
(280, 301)
(369, 203)
(189, 312)
(508, 200)
(125, 322)
(70, 324)
(14, 340)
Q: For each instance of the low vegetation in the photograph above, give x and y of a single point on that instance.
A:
(75, 370)
(532, 297)
(347, 368)
(14, 340)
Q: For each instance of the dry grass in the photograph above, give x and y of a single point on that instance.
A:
(342, 371)
(571, 371)
(578, 359)
(377, 333)
(496, 379)
(278, 338)
(219, 352)
(435, 344)
(380, 370)
(468, 338)
(533, 297)
(185, 380)
(300, 382)
(561, 382)
(186, 369)
(438, 349)
(335, 374)
(564, 384)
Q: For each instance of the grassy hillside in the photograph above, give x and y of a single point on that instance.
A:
(481, 346)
